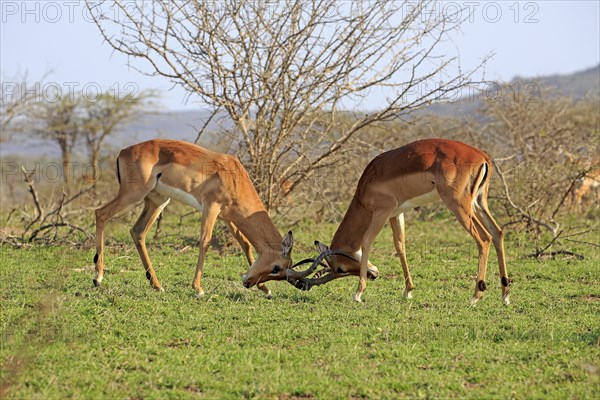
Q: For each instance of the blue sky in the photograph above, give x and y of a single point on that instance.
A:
(528, 38)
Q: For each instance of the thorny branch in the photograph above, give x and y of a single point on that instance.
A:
(552, 226)
(45, 225)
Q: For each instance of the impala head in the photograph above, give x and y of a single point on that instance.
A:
(338, 261)
(271, 267)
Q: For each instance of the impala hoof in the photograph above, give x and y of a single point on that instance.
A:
(199, 293)
(97, 281)
(357, 297)
(269, 295)
(408, 294)
(474, 301)
(506, 299)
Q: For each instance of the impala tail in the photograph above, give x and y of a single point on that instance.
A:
(481, 185)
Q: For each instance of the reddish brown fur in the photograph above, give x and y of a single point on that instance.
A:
(460, 174)
(435, 157)
(218, 183)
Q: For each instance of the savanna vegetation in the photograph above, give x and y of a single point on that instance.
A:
(61, 337)
(305, 152)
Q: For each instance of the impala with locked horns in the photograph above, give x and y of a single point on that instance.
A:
(157, 171)
(395, 182)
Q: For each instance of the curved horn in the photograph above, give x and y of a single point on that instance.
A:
(295, 275)
(291, 274)
(305, 261)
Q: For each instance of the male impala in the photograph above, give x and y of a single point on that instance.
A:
(400, 180)
(158, 170)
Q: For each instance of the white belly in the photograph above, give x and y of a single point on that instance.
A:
(418, 201)
(178, 194)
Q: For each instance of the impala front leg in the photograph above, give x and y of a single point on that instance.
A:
(263, 288)
(99, 257)
(209, 216)
(397, 224)
(247, 249)
(362, 281)
(377, 222)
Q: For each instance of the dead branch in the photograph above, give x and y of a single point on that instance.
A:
(525, 214)
(56, 225)
(43, 222)
(553, 254)
(584, 242)
(34, 195)
(566, 193)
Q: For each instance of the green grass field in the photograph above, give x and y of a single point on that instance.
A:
(63, 338)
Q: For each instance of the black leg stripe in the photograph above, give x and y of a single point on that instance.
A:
(481, 286)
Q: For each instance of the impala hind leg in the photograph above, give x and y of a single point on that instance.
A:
(465, 215)
(123, 201)
(209, 217)
(153, 206)
(483, 213)
(247, 248)
(377, 222)
(397, 224)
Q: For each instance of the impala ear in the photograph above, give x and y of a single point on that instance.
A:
(287, 244)
(321, 248)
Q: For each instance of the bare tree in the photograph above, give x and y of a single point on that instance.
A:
(16, 97)
(57, 120)
(285, 72)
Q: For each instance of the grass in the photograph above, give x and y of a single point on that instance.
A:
(63, 338)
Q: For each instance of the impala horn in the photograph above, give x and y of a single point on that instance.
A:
(293, 276)
(296, 275)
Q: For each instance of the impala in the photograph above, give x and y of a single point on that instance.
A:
(585, 189)
(157, 171)
(400, 180)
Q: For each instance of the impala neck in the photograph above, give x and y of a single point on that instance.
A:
(259, 229)
(353, 227)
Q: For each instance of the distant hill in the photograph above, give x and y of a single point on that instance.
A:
(181, 125)
(184, 124)
(576, 85)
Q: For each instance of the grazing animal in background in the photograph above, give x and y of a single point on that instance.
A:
(585, 190)
(397, 181)
(157, 171)
(285, 191)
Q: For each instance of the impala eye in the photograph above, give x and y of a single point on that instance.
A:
(276, 269)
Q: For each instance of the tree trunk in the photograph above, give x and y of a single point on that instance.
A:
(95, 155)
(66, 158)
